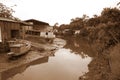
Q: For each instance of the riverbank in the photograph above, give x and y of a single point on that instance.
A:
(105, 63)
(38, 51)
(104, 66)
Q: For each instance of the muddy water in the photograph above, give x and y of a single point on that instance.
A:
(65, 65)
(68, 63)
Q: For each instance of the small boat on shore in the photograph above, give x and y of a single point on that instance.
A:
(18, 47)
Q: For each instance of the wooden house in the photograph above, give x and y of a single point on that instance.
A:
(9, 29)
(39, 28)
(37, 25)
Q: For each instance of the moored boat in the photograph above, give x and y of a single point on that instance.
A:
(19, 47)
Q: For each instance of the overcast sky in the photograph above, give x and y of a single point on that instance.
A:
(61, 11)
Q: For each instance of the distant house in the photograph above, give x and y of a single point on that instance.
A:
(39, 28)
(68, 32)
(37, 25)
(10, 29)
(76, 31)
(48, 33)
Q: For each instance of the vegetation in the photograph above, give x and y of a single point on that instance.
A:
(103, 29)
(103, 33)
(6, 12)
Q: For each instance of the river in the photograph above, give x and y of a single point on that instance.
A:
(66, 64)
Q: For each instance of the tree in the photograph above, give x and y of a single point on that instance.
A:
(63, 26)
(5, 11)
(118, 4)
(56, 26)
(110, 15)
(93, 21)
(77, 23)
(85, 17)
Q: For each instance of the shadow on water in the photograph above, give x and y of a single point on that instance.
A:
(19, 69)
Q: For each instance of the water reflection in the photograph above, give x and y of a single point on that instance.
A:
(80, 46)
(65, 65)
(21, 68)
(68, 63)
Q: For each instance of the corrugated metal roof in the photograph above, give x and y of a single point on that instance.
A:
(10, 20)
(29, 20)
(6, 19)
(25, 23)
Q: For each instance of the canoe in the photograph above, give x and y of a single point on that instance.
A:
(18, 48)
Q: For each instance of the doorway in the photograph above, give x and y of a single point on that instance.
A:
(15, 34)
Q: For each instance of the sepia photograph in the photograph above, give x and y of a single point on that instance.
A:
(59, 39)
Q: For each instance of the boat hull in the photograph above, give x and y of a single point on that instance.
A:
(19, 49)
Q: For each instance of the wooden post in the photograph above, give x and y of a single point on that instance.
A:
(23, 33)
(0, 34)
(0, 76)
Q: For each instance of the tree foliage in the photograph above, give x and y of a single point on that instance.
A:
(93, 21)
(103, 32)
(110, 15)
(5, 11)
(104, 29)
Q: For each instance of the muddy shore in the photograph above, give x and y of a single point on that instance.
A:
(38, 51)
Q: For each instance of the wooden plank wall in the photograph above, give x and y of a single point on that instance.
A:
(40, 27)
(6, 28)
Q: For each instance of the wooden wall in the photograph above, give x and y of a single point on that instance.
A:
(6, 28)
(40, 27)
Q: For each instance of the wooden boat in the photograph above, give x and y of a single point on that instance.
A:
(18, 47)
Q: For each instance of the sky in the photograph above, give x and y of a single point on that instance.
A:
(57, 11)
